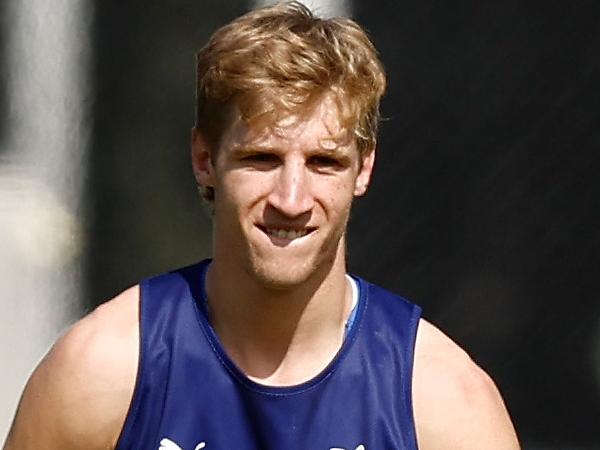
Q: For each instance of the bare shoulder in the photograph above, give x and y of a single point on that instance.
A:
(79, 394)
(456, 404)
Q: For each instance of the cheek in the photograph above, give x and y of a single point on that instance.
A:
(336, 195)
(244, 188)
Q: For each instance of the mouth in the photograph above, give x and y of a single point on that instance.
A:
(286, 233)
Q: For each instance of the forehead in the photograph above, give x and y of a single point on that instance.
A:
(318, 125)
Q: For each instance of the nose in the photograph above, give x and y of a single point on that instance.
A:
(291, 194)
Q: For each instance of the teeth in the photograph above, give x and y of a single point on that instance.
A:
(286, 234)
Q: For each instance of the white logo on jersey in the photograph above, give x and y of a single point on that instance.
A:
(168, 444)
(360, 447)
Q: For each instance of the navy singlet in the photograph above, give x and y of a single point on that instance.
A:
(189, 395)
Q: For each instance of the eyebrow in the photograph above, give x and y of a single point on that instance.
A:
(242, 149)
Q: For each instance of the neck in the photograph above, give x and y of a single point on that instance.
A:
(279, 336)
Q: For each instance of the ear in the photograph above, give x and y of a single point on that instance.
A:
(201, 160)
(364, 174)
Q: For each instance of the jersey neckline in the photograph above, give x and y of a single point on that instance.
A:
(241, 377)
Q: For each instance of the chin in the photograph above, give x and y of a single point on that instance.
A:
(283, 275)
(276, 276)
(287, 268)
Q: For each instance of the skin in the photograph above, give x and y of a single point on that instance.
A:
(292, 177)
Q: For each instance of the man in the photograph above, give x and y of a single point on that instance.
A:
(270, 345)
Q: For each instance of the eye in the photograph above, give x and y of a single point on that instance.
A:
(325, 162)
(260, 160)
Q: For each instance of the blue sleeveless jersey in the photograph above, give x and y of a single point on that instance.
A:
(189, 395)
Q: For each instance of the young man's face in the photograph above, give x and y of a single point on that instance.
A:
(283, 195)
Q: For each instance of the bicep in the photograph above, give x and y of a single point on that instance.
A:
(456, 404)
(79, 395)
(469, 415)
(43, 420)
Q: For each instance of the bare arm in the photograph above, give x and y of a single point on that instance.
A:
(456, 404)
(79, 395)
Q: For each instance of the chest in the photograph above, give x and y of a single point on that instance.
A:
(351, 409)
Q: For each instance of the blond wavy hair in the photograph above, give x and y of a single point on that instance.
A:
(276, 61)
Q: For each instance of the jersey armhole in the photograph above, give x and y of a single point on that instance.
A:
(124, 440)
(413, 326)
